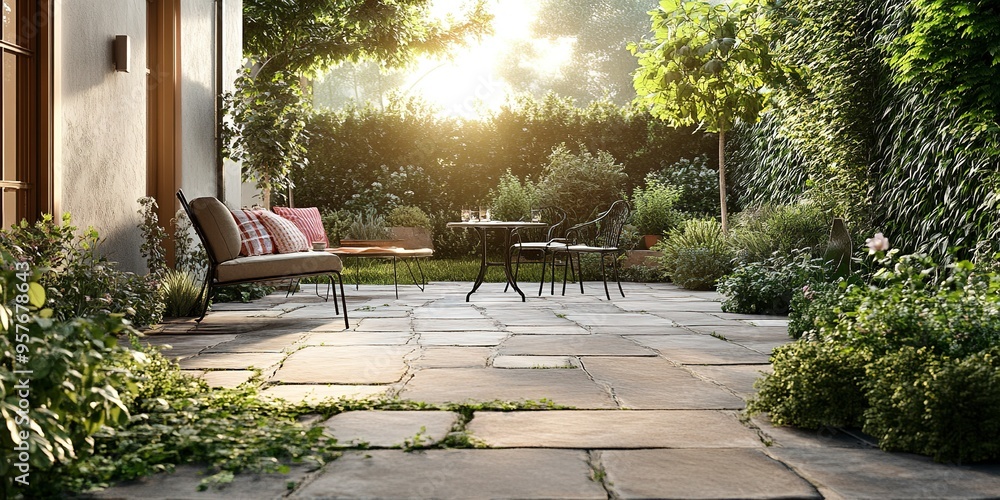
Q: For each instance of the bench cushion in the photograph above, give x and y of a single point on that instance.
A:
(278, 265)
(220, 229)
(254, 239)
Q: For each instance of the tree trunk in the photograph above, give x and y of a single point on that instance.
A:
(722, 180)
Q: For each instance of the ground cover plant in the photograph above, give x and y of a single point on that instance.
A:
(910, 358)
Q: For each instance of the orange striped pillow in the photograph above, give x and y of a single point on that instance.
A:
(307, 220)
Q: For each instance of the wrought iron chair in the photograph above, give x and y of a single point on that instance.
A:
(539, 244)
(599, 236)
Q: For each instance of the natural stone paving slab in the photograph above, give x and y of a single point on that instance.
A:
(594, 429)
(383, 325)
(325, 311)
(450, 312)
(183, 483)
(737, 378)
(572, 345)
(185, 345)
(700, 473)
(461, 338)
(565, 329)
(344, 365)
(860, 473)
(742, 331)
(454, 325)
(547, 319)
(768, 322)
(231, 360)
(387, 429)
(460, 474)
(620, 319)
(358, 338)
(452, 357)
(654, 383)
(793, 437)
(700, 350)
(226, 378)
(688, 318)
(458, 385)
(258, 342)
(535, 362)
(315, 393)
(640, 330)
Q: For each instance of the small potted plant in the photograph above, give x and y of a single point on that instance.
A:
(653, 210)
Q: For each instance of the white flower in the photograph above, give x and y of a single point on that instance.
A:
(877, 243)
(130, 311)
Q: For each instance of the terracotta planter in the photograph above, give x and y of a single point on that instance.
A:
(649, 240)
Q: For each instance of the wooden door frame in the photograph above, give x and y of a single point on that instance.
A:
(163, 176)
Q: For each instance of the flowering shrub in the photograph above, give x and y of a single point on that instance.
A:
(919, 346)
(767, 287)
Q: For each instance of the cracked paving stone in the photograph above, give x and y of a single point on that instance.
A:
(459, 385)
(654, 383)
(344, 365)
(387, 429)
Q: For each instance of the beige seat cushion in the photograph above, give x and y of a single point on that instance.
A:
(220, 228)
(278, 265)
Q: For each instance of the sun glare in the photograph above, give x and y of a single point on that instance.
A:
(466, 83)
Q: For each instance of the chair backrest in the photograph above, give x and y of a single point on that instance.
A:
(610, 224)
(555, 217)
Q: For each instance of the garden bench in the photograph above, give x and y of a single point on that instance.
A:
(219, 234)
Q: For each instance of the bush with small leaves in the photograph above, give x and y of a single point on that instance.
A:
(512, 199)
(698, 183)
(408, 216)
(761, 232)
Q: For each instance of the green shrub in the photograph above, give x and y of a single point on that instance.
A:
(814, 305)
(511, 199)
(336, 224)
(180, 292)
(698, 183)
(768, 229)
(408, 216)
(814, 384)
(944, 407)
(696, 254)
(767, 287)
(68, 369)
(152, 249)
(582, 184)
(190, 256)
(926, 339)
(653, 208)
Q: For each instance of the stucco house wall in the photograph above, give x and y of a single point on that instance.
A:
(102, 114)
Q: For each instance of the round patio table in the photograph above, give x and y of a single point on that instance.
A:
(505, 228)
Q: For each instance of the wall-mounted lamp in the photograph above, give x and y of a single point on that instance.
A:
(122, 53)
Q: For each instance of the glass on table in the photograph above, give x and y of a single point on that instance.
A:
(484, 213)
(466, 215)
(536, 215)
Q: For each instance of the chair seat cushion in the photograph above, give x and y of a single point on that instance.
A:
(540, 245)
(277, 265)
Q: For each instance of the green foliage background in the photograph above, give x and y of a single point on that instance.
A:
(895, 125)
(405, 154)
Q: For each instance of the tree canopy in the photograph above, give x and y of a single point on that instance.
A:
(302, 36)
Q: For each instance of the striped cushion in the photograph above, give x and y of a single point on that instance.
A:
(254, 238)
(287, 238)
(307, 220)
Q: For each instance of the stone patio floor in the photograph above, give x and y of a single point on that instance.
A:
(656, 381)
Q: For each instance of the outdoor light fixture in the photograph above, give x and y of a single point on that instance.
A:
(122, 53)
